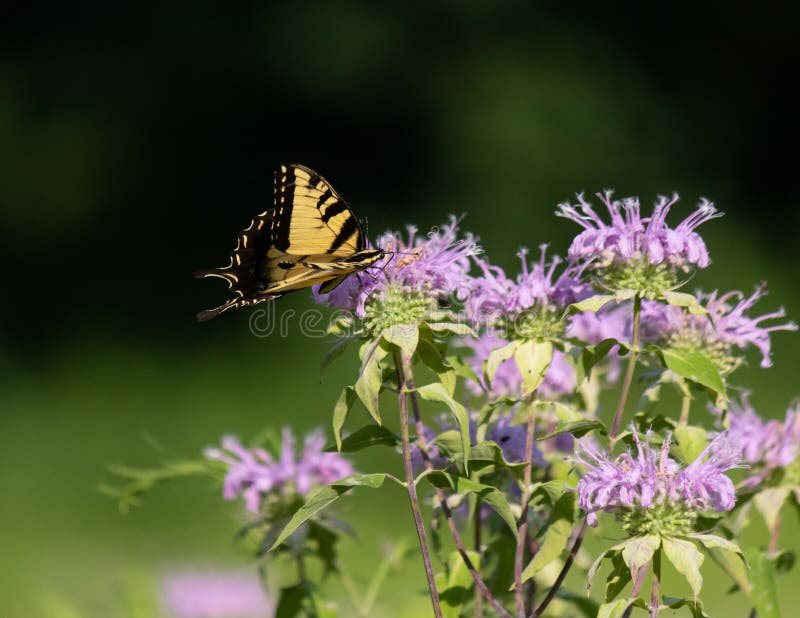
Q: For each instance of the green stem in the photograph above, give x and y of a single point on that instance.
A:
(655, 590)
(686, 405)
(626, 384)
(522, 529)
(422, 445)
(412, 490)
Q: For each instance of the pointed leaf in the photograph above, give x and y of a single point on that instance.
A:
(433, 360)
(533, 359)
(404, 336)
(638, 552)
(615, 609)
(340, 412)
(695, 367)
(691, 441)
(619, 577)
(593, 303)
(454, 328)
(490, 495)
(369, 435)
(696, 607)
(769, 503)
(555, 538)
(687, 301)
(370, 380)
(498, 357)
(577, 429)
(438, 392)
(324, 497)
(712, 541)
(686, 559)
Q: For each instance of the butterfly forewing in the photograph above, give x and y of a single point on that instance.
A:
(310, 236)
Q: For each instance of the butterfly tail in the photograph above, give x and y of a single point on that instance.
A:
(205, 316)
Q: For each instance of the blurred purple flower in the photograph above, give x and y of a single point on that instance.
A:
(511, 439)
(436, 265)
(215, 595)
(631, 236)
(765, 445)
(254, 474)
(647, 478)
(730, 326)
(494, 295)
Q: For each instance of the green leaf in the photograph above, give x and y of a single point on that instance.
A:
(454, 586)
(294, 600)
(370, 380)
(696, 607)
(769, 503)
(687, 301)
(556, 536)
(691, 441)
(686, 559)
(438, 393)
(403, 336)
(489, 453)
(462, 368)
(637, 552)
(591, 355)
(695, 367)
(533, 359)
(587, 607)
(764, 595)
(340, 411)
(493, 497)
(454, 328)
(733, 567)
(593, 303)
(577, 429)
(619, 577)
(498, 357)
(324, 497)
(615, 609)
(369, 435)
(712, 541)
(608, 554)
(433, 360)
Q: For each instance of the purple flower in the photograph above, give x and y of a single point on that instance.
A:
(730, 326)
(494, 295)
(215, 595)
(511, 439)
(254, 474)
(650, 479)
(436, 265)
(765, 445)
(630, 236)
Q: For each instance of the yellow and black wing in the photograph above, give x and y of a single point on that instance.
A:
(310, 236)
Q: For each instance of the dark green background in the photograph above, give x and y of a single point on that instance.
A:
(135, 141)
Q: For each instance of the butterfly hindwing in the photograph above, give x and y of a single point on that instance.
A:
(309, 237)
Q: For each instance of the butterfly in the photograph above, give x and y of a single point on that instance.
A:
(310, 236)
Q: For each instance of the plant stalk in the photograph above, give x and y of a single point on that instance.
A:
(405, 370)
(477, 524)
(522, 528)
(686, 405)
(626, 384)
(412, 490)
(655, 590)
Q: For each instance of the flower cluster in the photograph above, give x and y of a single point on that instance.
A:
(427, 268)
(648, 491)
(635, 252)
(765, 445)
(255, 475)
(530, 305)
(727, 327)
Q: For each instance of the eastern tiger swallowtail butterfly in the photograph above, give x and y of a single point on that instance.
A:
(310, 236)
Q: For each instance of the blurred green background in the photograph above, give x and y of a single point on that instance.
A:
(137, 139)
